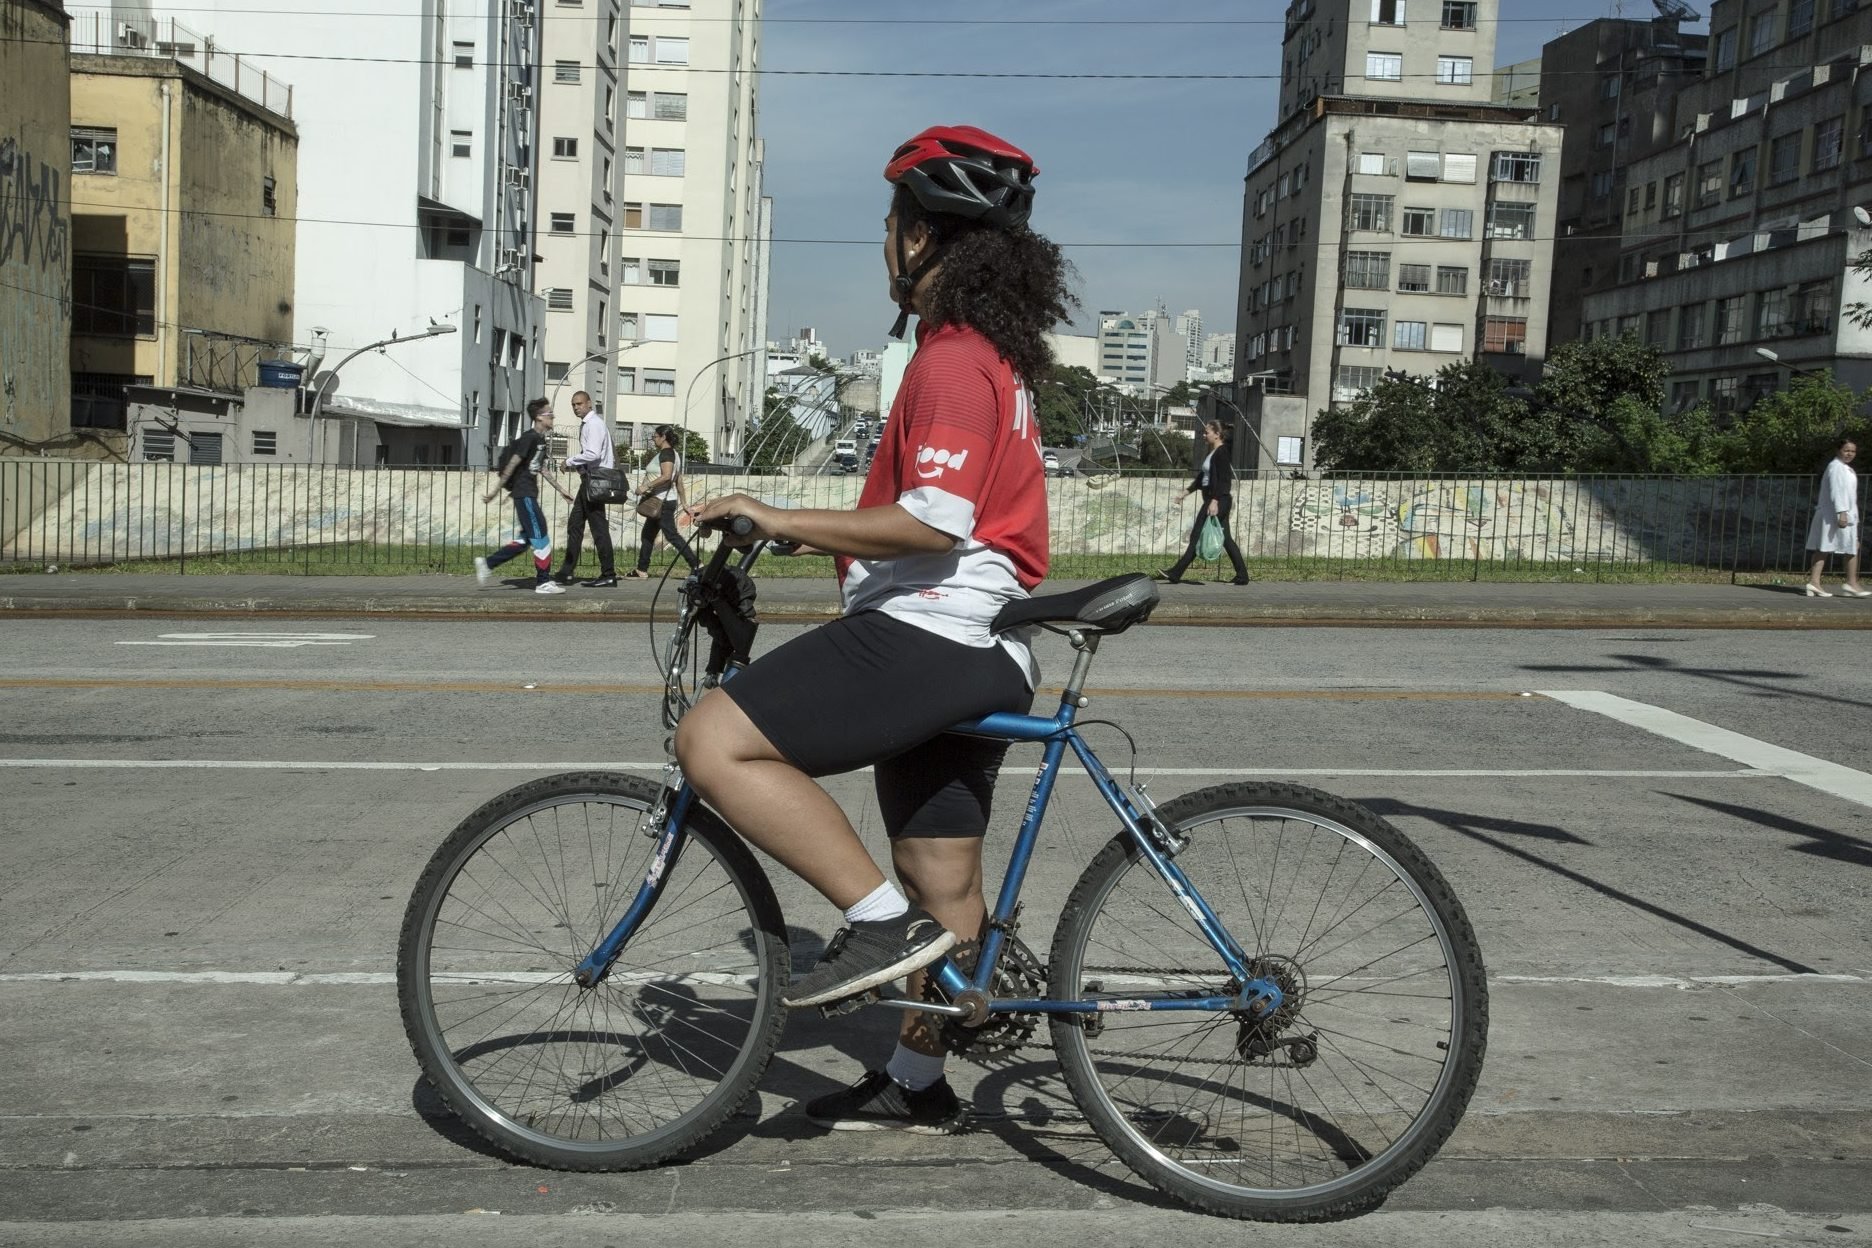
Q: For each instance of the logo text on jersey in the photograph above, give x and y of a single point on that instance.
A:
(943, 460)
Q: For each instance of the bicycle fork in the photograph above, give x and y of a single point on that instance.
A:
(671, 810)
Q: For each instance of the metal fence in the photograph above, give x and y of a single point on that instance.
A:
(313, 518)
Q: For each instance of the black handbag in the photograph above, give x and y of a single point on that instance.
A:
(606, 485)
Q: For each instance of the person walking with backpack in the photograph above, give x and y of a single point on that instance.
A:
(518, 471)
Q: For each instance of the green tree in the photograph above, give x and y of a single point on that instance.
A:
(779, 437)
(1164, 449)
(1793, 430)
(1062, 397)
(694, 450)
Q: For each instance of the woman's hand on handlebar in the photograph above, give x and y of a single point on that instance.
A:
(716, 512)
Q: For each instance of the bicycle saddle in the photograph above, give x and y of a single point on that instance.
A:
(1109, 606)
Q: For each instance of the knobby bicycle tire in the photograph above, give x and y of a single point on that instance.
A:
(652, 1060)
(1352, 1085)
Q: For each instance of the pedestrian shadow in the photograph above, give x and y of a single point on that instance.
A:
(1492, 832)
(1824, 842)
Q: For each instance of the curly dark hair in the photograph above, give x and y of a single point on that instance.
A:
(1008, 285)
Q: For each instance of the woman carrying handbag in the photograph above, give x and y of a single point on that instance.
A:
(1215, 478)
(658, 493)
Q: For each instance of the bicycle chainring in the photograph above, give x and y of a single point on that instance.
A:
(1019, 974)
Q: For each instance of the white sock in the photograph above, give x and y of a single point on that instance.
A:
(912, 1069)
(882, 902)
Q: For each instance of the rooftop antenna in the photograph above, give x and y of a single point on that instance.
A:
(1677, 9)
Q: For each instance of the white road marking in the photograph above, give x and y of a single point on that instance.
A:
(379, 979)
(548, 767)
(1815, 773)
(269, 641)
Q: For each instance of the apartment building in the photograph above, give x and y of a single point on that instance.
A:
(35, 229)
(1738, 237)
(184, 193)
(1395, 219)
(694, 227)
(416, 208)
(1140, 353)
(1611, 84)
(577, 269)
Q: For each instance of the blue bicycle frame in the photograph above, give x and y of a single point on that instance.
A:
(1257, 995)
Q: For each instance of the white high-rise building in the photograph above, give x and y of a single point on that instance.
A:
(1189, 327)
(1140, 353)
(416, 203)
(694, 228)
(578, 272)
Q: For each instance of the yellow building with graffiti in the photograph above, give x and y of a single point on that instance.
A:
(184, 194)
(35, 227)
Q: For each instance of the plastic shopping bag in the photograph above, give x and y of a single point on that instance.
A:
(1209, 542)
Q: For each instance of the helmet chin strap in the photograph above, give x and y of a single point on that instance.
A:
(905, 283)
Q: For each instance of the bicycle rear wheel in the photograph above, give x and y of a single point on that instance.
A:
(651, 1060)
(1352, 1084)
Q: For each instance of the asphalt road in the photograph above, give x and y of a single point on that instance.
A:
(211, 827)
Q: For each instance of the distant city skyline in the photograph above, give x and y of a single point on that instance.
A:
(1122, 161)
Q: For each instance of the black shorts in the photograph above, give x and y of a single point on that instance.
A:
(871, 690)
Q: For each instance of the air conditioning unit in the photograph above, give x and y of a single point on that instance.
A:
(519, 91)
(514, 175)
(130, 37)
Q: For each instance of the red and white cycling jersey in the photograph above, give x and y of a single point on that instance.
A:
(961, 452)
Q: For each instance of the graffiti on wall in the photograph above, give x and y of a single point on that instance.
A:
(1531, 520)
(34, 230)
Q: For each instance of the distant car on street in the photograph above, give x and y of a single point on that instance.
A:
(1050, 463)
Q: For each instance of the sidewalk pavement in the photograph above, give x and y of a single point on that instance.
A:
(1586, 604)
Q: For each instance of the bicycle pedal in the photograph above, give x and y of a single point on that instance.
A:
(832, 1009)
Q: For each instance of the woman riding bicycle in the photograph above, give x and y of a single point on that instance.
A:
(951, 524)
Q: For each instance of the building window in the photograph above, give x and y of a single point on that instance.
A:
(1414, 278)
(670, 106)
(1511, 279)
(633, 216)
(1603, 183)
(627, 327)
(672, 51)
(1784, 156)
(667, 162)
(559, 298)
(1515, 221)
(1505, 335)
(1368, 270)
(1771, 313)
(464, 54)
(1362, 327)
(1828, 136)
(1515, 167)
(659, 327)
(636, 105)
(1609, 87)
(1452, 280)
(1709, 183)
(1448, 338)
(1673, 196)
(205, 448)
(564, 222)
(557, 370)
(1423, 166)
(659, 381)
(1458, 223)
(565, 148)
(1725, 394)
(461, 143)
(1384, 66)
(1371, 163)
(1387, 12)
(113, 296)
(640, 49)
(94, 149)
(1729, 325)
(665, 272)
(665, 217)
(1418, 222)
(566, 71)
(633, 160)
(158, 446)
(1287, 450)
(1683, 395)
(1455, 71)
(1800, 18)
(265, 442)
(1725, 50)
(1354, 380)
(1691, 326)
(1657, 327)
(1369, 212)
(627, 381)
(1742, 174)
(1813, 307)
(1762, 32)
(1410, 335)
(1459, 14)
(269, 197)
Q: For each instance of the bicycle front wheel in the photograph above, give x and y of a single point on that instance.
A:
(1347, 1089)
(648, 1062)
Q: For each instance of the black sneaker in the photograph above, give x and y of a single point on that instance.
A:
(865, 955)
(564, 578)
(879, 1103)
(600, 582)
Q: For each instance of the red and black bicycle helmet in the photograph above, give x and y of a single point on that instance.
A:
(958, 171)
(962, 171)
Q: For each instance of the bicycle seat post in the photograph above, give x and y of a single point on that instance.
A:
(1086, 643)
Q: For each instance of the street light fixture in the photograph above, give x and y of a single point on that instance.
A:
(320, 388)
(1774, 357)
(596, 355)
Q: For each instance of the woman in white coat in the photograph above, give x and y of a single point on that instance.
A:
(1835, 527)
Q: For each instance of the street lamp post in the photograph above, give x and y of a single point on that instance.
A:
(1774, 357)
(689, 394)
(596, 355)
(319, 391)
(1242, 417)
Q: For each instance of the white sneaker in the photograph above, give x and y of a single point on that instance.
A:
(483, 573)
(549, 587)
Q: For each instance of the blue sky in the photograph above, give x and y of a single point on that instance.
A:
(1120, 162)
